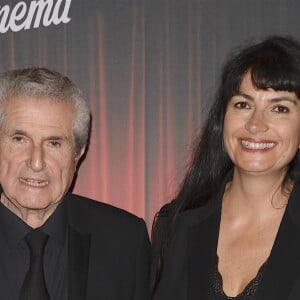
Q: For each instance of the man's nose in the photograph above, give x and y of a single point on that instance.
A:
(36, 158)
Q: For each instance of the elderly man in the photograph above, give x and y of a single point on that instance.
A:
(53, 244)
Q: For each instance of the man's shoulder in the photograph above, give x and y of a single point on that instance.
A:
(89, 212)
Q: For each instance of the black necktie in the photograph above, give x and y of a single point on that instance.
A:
(34, 285)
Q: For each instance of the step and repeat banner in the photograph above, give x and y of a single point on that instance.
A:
(149, 70)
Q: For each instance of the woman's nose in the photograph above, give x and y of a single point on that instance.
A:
(257, 123)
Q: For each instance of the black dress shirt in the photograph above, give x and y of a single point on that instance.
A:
(15, 256)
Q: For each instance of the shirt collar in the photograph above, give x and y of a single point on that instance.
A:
(15, 229)
(12, 228)
(56, 225)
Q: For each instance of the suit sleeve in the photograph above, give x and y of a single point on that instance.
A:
(142, 290)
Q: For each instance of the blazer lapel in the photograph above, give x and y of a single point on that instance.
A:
(283, 266)
(78, 261)
(202, 245)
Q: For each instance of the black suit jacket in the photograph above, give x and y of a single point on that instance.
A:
(108, 252)
(191, 254)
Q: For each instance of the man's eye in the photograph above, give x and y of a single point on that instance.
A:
(241, 105)
(280, 109)
(55, 144)
(18, 139)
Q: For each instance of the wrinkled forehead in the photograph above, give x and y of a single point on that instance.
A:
(42, 109)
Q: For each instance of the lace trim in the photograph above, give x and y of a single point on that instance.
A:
(248, 292)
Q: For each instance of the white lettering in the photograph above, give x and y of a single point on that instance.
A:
(15, 16)
(64, 16)
(4, 25)
(23, 16)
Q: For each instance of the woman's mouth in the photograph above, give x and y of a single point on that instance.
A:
(257, 145)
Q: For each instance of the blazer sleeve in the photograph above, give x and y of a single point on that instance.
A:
(142, 290)
(159, 230)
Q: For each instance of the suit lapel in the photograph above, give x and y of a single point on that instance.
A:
(283, 266)
(78, 261)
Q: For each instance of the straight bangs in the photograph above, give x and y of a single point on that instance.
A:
(277, 72)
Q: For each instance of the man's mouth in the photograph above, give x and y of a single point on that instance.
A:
(34, 182)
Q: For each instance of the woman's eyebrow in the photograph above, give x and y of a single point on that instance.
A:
(279, 99)
(275, 99)
(244, 95)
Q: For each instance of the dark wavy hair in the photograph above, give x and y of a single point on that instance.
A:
(273, 63)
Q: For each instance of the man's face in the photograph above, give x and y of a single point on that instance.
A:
(37, 157)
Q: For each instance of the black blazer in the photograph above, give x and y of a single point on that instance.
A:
(191, 254)
(108, 252)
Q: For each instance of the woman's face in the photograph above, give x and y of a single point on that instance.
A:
(262, 128)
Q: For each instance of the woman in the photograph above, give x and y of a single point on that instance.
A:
(233, 231)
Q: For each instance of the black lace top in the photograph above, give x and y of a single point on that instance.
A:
(247, 294)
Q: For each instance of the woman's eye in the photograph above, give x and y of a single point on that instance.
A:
(241, 105)
(280, 109)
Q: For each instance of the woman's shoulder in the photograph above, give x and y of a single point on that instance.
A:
(161, 222)
(166, 210)
(168, 218)
(162, 216)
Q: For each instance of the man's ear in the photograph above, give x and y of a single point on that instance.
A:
(79, 155)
